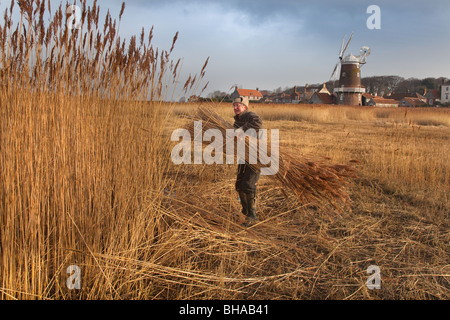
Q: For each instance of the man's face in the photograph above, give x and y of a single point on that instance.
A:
(239, 108)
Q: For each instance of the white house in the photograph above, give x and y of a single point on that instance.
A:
(445, 93)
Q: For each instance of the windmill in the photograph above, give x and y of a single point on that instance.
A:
(349, 91)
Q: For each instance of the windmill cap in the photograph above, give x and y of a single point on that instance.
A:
(350, 59)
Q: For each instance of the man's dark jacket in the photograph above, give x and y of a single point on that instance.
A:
(247, 177)
(247, 120)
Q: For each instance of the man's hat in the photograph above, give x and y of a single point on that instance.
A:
(242, 100)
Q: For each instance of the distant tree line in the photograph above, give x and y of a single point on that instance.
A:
(219, 96)
(382, 85)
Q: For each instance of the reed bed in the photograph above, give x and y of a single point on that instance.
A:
(82, 113)
(323, 113)
(86, 179)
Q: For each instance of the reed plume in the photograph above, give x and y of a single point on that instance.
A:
(81, 122)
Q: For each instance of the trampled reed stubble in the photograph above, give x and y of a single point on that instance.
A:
(399, 204)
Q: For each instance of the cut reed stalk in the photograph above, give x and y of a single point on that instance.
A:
(312, 179)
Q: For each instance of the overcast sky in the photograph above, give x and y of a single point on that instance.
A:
(267, 44)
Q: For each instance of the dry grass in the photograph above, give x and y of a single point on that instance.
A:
(398, 218)
(86, 179)
(339, 114)
(78, 168)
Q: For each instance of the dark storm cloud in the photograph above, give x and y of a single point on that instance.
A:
(272, 43)
(317, 12)
(291, 42)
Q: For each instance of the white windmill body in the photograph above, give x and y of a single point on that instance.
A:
(349, 90)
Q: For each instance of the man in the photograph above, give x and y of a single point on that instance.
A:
(247, 177)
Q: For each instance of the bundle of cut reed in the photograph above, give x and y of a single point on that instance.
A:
(313, 180)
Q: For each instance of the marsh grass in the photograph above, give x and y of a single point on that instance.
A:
(86, 179)
(82, 150)
(399, 217)
(336, 114)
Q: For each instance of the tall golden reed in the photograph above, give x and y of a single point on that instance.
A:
(81, 150)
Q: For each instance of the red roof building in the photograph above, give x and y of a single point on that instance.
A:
(382, 102)
(411, 102)
(322, 98)
(252, 95)
(432, 96)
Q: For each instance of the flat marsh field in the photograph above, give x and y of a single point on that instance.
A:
(398, 220)
(96, 188)
(92, 206)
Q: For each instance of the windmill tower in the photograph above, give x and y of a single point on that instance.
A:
(349, 90)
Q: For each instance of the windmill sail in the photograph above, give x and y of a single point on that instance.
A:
(341, 55)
